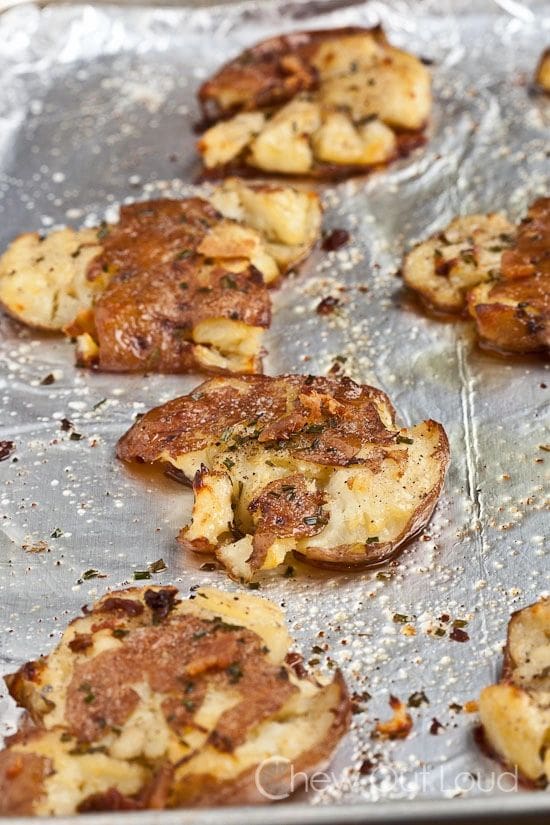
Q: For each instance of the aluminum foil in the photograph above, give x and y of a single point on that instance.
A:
(96, 109)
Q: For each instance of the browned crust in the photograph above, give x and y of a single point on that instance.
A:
(539, 85)
(172, 427)
(271, 72)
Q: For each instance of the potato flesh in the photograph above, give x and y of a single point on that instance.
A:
(43, 282)
(129, 758)
(363, 505)
(515, 713)
(360, 77)
(444, 268)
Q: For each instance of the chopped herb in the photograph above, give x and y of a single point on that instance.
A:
(204, 289)
(468, 256)
(103, 231)
(289, 572)
(314, 428)
(439, 631)
(188, 704)
(99, 404)
(228, 282)
(383, 577)
(184, 285)
(65, 737)
(253, 585)
(317, 649)
(400, 618)
(157, 566)
(311, 520)
(234, 671)
(185, 253)
(373, 539)
(57, 533)
(86, 688)
(139, 575)
(91, 574)
(229, 463)
(120, 633)
(76, 436)
(460, 623)
(401, 439)
(48, 379)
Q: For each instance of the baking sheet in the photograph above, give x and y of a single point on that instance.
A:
(96, 109)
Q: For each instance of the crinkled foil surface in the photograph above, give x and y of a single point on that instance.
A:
(96, 109)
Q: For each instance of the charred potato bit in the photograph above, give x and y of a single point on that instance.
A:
(174, 286)
(169, 703)
(542, 74)
(499, 272)
(320, 103)
(316, 466)
(515, 713)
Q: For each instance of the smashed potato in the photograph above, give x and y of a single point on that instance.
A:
(515, 713)
(316, 466)
(498, 272)
(152, 702)
(173, 286)
(542, 74)
(320, 103)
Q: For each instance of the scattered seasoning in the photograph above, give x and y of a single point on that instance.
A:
(37, 547)
(401, 439)
(328, 305)
(235, 673)
(57, 533)
(157, 566)
(417, 698)
(91, 574)
(86, 688)
(335, 239)
(48, 379)
(436, 727)
(458, 635)
(7, 448)
(366, 767)
(139, 575)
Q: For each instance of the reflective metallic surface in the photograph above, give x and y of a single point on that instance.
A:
(96, 107)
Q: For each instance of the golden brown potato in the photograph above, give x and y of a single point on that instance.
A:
(513, 314)
(542, 74)
(499, 272)
(152, 702)
(173, 286)
(316, 466)
(444, 268)
(321, 103)
(515, 713)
